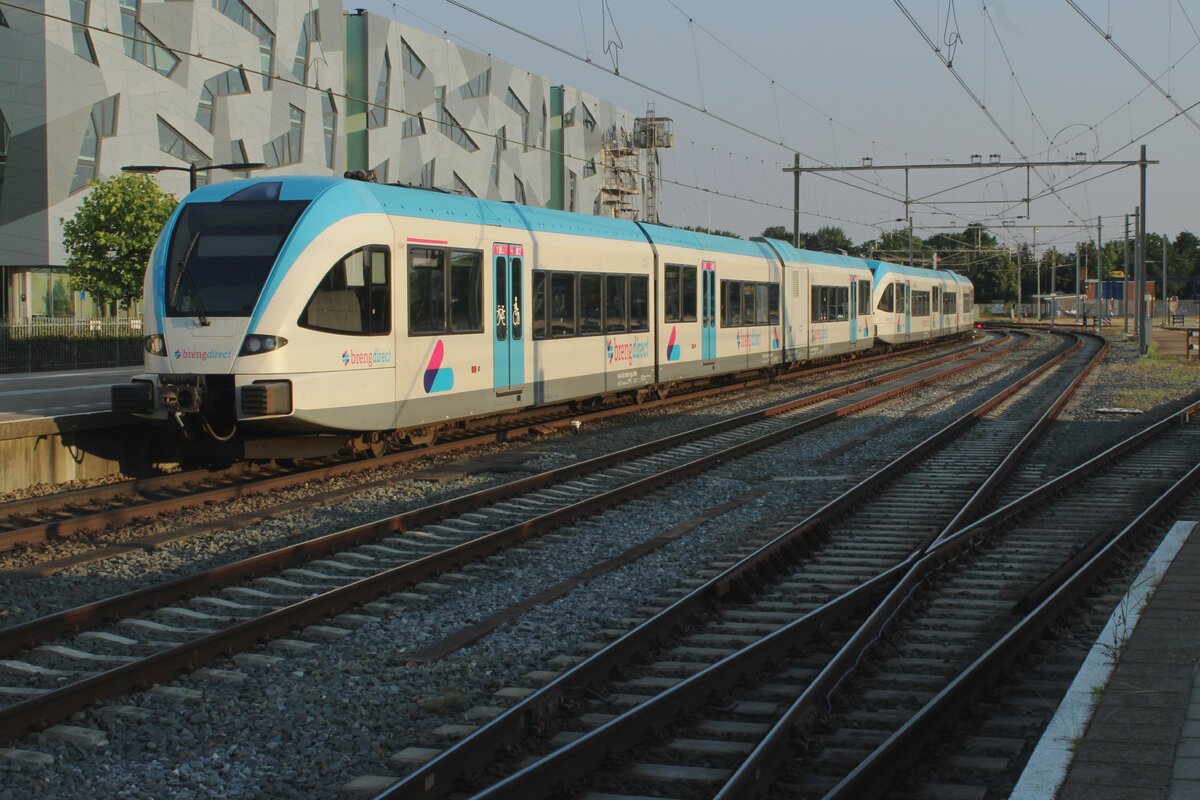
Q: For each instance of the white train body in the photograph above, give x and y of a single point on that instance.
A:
(328, 306)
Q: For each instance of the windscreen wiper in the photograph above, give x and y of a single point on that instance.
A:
(183, 265)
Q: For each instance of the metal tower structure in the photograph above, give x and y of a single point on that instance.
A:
(650, 133)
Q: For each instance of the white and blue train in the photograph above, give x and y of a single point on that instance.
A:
(295, 315)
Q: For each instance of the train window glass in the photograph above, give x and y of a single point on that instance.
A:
(920, 304)
(672, 288)
(731, 309)
(591, 305)
(949, 303)
(864, 298)
(354, 296)
(516, 298)
(886, 304)
(615, 304)
(221, 253)
(830, 303)
(539, 304)
(748, 295)
(562, 304)
(760, 304)
(501, 291)
(966, 302)
(901, 298)
(466, 291)
(773, 304)
(688, 302)
(426, 290)
(639, 303)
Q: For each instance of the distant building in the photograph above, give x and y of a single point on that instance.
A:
(78, 103)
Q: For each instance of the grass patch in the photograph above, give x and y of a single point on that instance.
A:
(1164, 379)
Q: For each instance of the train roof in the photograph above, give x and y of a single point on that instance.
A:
(343, 198)
(788, 252)
(883, 268)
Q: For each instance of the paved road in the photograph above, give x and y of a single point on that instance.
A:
(55, 394)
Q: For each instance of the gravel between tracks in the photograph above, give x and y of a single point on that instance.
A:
(306, 725)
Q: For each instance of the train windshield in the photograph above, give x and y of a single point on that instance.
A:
(221, 254)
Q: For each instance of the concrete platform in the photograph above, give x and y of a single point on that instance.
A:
(1136, 734)
(56, 426)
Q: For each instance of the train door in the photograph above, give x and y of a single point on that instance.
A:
(907, 310)
(708, 311)
(935, 313)
(853, 315)
(508, 344)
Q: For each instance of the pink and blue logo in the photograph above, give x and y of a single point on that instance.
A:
(774, 338)
(437, 377)
(672, 347)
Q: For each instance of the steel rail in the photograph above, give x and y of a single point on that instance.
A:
(50, 626)
(522, 423)
(475, 751)
(57, 704)
(757, 770)
(871, 776)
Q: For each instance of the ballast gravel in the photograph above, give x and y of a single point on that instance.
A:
(306, 724)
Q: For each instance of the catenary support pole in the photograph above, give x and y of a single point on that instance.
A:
(1144, 330)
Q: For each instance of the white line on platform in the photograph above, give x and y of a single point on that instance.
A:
(1047, 767)
(16, 392)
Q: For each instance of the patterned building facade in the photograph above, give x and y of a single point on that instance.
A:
(303, 86)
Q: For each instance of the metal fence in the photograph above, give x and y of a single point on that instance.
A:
(69, 343)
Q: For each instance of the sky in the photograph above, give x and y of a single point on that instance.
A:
(749, 84)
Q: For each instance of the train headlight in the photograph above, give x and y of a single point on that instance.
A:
(156, 344)
(261, 343)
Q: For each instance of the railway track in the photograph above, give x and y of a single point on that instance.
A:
(833, 561)
(73, 513)
(201, 624)
(790, 692)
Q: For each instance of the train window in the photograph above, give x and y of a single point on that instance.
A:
(466, 291)
(539, 304)
(748, 303)
(639, 302)
(501, 290)
(731, 309)
(426, 290)
(562, 304)
(830, 303)
(445, 291)
(966, 302)
(687, 305)
(679, 293)
(886, 303)
(920, 304)
(864, 298)
(773, 304)
(672, 288)
(516, 298)
(901, 297)
(760, 304)
(354, 297)
(221, 253)
(615, 320)
(591, 304)
(949, 303)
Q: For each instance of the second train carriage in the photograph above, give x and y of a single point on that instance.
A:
(317, 305)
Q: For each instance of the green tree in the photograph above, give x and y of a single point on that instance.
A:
(829, 239)
(778, 232)
(110, 238)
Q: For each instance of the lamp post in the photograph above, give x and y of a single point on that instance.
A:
(193, 169)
